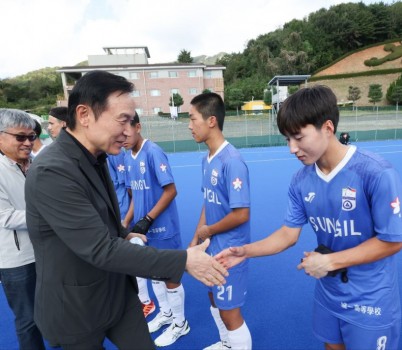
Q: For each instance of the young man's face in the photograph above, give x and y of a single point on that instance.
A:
(133, 137)
(54, 126)
(109, 132)
(18, 151)
(309, 144)
(198, 126)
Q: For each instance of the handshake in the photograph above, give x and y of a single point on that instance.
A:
(142, 225)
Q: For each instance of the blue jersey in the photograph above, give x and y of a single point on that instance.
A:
(118, 176)
(358, 200)
(147, 173)
(226, 186)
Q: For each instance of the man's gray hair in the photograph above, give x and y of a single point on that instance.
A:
(15, 118)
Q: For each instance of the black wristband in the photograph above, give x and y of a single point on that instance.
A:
(149, 219)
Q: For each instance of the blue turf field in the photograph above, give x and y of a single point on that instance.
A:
(278, 308)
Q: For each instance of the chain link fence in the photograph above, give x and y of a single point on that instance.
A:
(260, 130)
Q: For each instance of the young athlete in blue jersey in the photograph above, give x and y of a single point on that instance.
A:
(117, 172)
(351, 199)
(118, 175)
(153, 206)
(224, 217)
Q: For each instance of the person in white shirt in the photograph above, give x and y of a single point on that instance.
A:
(17, 261)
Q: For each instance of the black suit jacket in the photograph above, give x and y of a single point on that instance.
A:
(83, 263)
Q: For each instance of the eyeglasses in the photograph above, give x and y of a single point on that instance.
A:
(22, 138)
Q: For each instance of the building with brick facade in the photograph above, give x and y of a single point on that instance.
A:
(154, 83)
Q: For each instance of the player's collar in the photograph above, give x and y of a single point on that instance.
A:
(338, 168)
(221, 147)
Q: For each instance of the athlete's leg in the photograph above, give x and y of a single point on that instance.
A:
(334, 346)
(175, 297)
(229, 299)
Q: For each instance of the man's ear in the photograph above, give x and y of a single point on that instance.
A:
(82, 115)
(212, 120)
(329, 126)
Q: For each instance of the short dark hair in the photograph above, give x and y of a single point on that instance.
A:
(312, 105)
(37, 128)
(93, 89)
(59, 113)
(136, 119)
(208, 104)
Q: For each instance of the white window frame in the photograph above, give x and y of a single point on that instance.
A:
(154, 75)
(173, 74)
(154, 92)
(134, 75)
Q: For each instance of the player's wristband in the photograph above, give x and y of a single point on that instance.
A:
(149, 219)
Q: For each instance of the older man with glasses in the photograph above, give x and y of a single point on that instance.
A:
(17, 262)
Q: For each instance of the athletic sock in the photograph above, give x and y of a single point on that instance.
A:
(161, 295)
(143, 290)
(240, 338)
(175, 297)
(223, 332)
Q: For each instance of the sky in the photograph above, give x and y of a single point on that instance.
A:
(56, 33)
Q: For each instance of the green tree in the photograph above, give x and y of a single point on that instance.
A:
(206, 91)
(292, 89)
(177, 100)
(185, 57)
(234, 98)
(397, 95)
(394, 91)
(375, 93)
(268, 96)
(354, 94)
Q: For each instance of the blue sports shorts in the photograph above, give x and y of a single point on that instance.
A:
(332, 330)
(233, 293)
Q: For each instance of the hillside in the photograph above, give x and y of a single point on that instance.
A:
(208, 59)
(354, 63)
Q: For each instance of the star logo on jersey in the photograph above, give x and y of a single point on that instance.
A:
(348, 199)
(163, 167)
(214, 177)
(237, 184)
(120, 168)
(396, 206)
(142, 167)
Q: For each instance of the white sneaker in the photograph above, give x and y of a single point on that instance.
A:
(160, 320)
(220, 345)
(172, 333)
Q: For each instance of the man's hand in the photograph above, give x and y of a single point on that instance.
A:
(132, 235)
(203, 232)
(204, 267)
(315, 264)
(230, 257)
(142, 225)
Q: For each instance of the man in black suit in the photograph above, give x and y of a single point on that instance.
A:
(85, 263)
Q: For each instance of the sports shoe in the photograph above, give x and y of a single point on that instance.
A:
(172, 333)
(220, 345)
(160, 320)
(148, 309)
